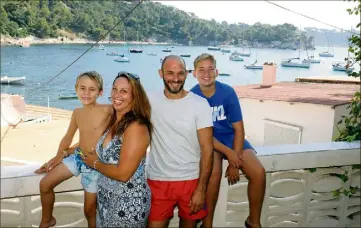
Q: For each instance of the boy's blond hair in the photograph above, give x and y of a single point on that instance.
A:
(94, 76)
(202, 57)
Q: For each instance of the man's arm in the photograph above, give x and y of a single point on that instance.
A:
(205, 138)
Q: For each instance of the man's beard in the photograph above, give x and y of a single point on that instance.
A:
(170, 89)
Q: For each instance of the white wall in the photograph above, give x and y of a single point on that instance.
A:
(317, 121)
(339, 111)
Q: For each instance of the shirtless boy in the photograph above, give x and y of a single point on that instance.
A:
(91, 120)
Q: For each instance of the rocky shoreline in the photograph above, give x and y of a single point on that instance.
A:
(32, 40)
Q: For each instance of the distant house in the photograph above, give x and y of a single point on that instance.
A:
(294, 112)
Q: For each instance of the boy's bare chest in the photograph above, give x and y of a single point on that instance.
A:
(92, 123)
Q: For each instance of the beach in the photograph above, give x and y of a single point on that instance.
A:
(32, 40)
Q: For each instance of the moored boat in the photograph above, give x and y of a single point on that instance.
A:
(12, 80)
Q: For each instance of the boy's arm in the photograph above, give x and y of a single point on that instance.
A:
(63, 149)
(236, 118)
(221, 148)
(239, 136)
(68, 137)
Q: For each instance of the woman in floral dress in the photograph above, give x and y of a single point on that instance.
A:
(123, 195)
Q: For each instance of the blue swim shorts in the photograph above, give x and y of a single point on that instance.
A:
(246, 145)
(89, 178)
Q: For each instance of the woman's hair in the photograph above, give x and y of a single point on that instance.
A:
(140, 108)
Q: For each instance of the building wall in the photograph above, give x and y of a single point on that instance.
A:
(316, 121)
(339, 111)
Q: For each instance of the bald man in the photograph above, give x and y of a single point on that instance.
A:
(181, 154)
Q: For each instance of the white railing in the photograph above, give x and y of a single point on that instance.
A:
(306, 186)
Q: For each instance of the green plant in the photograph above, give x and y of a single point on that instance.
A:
(352, 123)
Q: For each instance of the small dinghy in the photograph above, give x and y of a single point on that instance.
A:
(12, 80)
(71, 96)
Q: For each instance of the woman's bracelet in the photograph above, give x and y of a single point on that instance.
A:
(95, 163)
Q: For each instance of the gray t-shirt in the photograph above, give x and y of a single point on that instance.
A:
(175, 151)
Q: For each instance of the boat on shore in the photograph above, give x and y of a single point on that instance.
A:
(12, 80)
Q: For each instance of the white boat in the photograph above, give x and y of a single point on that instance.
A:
(244, 54)
(295, 62)
(226, 50)
(224, 74)
(342, 66)
(152, 53)
(326, 54)
(136, 50)
(101, 47)
(254, 66)
(312, 59)
(185, 55)
(213, 48)
(115, 54)
(166, 50)
(12, 80)
(235, 58)
(70, 96)
(122, 59)
(162, 58)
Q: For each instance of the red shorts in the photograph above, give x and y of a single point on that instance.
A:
(168, 194)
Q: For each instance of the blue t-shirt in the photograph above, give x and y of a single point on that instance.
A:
(226, 110)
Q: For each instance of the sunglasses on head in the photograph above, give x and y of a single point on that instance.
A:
(129, 75)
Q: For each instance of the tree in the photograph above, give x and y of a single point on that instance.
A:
(352, 123)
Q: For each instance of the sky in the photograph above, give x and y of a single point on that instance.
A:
(251, 12)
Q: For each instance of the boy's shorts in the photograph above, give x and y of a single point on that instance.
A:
(89, 178)
(168, 194)
(246, 145)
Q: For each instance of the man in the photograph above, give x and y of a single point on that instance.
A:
(181, 154)
(229, 141)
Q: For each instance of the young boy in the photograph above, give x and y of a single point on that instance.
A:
(229, 141)
(91, 120)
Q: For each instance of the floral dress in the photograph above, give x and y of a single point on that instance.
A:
(121, 204)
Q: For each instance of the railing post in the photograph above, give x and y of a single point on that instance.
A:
(344, 199)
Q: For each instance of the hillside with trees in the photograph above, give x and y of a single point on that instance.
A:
(151, 21)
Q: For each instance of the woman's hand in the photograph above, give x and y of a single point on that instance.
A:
(90, 158)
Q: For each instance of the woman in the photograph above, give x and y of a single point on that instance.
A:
(123, 196)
